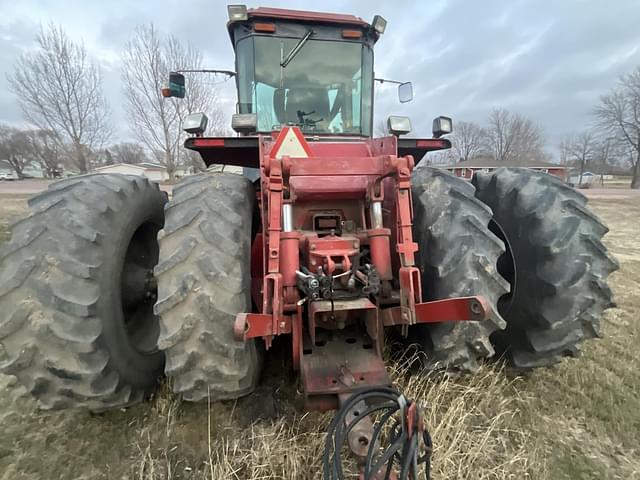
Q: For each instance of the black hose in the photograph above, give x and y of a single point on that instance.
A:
(336, 435)
(407, 437)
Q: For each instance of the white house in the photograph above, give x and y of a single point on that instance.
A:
(152, 171)
(6, 171)
(33, 170)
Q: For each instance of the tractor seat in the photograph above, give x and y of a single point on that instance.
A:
(307, 100)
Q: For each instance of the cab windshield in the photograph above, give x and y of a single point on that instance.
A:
(325, 88)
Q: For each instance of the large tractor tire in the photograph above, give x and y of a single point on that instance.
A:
(556, 264)
(457, 255)
(204, 280)
(76, 293)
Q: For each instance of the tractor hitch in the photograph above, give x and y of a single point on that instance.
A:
(333, 355)
(475, 308)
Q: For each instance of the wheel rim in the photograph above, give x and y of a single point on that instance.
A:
(139, 290)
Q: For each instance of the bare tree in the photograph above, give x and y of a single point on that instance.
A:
(530, 141)
(193, 162)
(467, 141)
(514, 138)
(619, 115)
(60, 90)
(14, 149)
(582, 150)
(156, 121)
(440, 157)
(128, 152)
(108, 158)
(564, 148)
(605, 154)
(44, 148)
(499, 138)
(628, 157)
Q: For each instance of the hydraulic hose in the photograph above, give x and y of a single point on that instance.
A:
(409, 444)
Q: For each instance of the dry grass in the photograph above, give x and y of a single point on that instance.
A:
(473, 420)
(578, 420)
(618, 182)
(476, 423)
(11, 208)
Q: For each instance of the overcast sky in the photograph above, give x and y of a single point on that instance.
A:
(549, 60)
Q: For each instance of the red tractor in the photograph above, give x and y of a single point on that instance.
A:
(329, 238)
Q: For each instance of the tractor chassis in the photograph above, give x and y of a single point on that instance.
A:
(333, 356)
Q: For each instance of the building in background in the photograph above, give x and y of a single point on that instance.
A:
(153, 171)
(33, 170)
(486, 164)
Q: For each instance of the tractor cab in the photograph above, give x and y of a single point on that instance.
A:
(315, 73)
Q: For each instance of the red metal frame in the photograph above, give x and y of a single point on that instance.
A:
(337, 346)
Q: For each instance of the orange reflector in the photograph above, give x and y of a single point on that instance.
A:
(351, 33)
(264, 27)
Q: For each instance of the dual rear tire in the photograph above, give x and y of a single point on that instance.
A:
(457, 256)
(76, 293)
(80, 325)
(204, 280)
(527, 243)
(558, 265)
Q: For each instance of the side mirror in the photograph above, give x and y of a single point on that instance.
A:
(405, 92)
(176, 86)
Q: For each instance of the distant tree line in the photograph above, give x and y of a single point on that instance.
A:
(24, 148)
(20, 148)
(60, 90)
(506, 137)
(611, 145)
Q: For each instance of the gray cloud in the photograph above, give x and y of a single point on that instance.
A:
(14, 37)
(550, 61)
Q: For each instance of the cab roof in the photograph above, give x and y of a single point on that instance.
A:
(305, 16)
(302, 16)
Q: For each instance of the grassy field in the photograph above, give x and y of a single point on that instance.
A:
(618, 181)
(578, 420)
